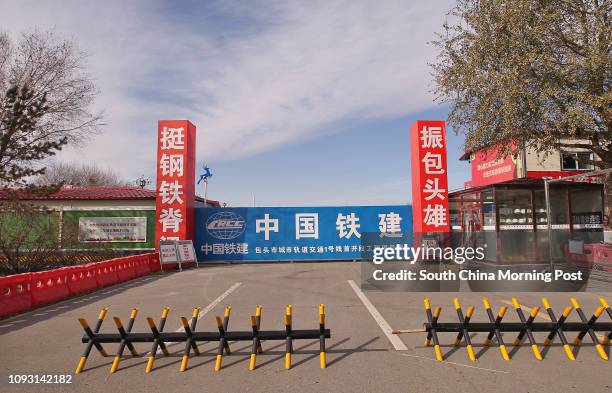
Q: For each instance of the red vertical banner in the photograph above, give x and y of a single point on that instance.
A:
(429, 176)
(175, 185)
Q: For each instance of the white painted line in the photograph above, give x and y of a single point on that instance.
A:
(208, 308)
(218, 300)
(456, 364)
(397, 343)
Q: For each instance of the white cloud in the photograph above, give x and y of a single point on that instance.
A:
(283, 72)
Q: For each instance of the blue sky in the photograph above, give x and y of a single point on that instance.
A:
(297, 103)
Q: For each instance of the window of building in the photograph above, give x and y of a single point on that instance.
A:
(571, 161)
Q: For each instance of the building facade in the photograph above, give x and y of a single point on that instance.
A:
(118, 218)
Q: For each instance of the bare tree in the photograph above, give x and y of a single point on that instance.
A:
(45, 102)
(30, 240)
(28, 237)
(79, 174)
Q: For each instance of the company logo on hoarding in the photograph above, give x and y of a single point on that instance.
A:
(225, 225)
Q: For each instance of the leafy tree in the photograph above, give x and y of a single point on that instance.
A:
(534, 71)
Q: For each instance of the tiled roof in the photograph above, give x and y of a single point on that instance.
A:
(110, 193)
(81, 193)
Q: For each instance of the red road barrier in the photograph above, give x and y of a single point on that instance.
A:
(125, 269)
(49, 286)
(106, 273)
(22, 292)
(82, 279)
(600, 255)
(15, 294)
(154, 265)
(141, 265)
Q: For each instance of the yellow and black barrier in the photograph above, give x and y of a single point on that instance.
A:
(126, 338)
(525, 328)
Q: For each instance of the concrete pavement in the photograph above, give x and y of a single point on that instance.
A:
(360, 356)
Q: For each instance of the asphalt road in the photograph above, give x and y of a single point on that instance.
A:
(360, 356)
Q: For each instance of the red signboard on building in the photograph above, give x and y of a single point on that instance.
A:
(175, 180)
(429, 176)
(488, 168)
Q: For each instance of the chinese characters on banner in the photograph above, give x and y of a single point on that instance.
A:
(175, 180)
(295, 233)
(429, 176)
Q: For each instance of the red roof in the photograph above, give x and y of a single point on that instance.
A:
(80, 193)
(106, 193)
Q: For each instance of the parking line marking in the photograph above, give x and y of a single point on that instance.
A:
(207, 309)
(214, 303)
(456, 364)
(397, 343)
(218, 300)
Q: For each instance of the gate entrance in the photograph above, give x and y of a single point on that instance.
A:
(293, 233)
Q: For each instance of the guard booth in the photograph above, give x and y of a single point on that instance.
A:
(510, 217)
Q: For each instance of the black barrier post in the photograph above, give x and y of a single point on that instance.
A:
(157, 342)
(433, 320)
(288, 343)
(125, 341)
(558, 330)
(258, 320)
(495, 328)
(91, 343)
(465, 321)
(322, 356)
(223, 344)
(189, 342)
(589, 328)
(604, 303)
(527, 327)
(255, 345)
(190, 337)
(226, 317)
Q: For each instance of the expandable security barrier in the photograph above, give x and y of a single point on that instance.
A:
(525, 328)
(159, 339)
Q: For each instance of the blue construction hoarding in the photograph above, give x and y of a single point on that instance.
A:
(293, 233)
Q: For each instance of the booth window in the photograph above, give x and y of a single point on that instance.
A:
(571, 161)
(514, 207)
(587, 206)
(488, 209)
(558, 207)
